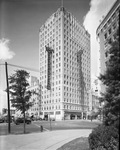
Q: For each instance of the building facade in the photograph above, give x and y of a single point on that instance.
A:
(69, 70)
(94, 104)
(35, 110)
(105, 32)
(93, 101)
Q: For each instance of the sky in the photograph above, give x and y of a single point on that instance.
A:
(20, 21)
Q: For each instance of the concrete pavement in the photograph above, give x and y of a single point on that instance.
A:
(50, 140)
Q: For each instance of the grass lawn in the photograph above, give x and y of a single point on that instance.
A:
(77, 144)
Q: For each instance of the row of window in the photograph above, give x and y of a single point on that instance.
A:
(72, 23)
(71, 84)
(71, 68)
(65, 35)
(58, 107)
(52, 113)
(110, 30)
(68, 93)
(72, 107)
(50, 101)
(51, 107)
(114, 18)
(109, 22)
(34, 109)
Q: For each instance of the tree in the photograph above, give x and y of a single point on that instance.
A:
(19, 92)
(111, 79)
(4, 111)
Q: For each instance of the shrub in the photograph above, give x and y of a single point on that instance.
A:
(104, 138)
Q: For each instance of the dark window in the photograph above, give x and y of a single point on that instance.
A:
(109, 31)
(105, 36)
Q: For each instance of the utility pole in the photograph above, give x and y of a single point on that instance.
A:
(9, 129)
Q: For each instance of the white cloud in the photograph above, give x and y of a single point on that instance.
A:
(3, 98)
(5, 52)
(98, 9)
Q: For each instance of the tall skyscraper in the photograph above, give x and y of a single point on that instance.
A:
(105, 32)
(64, 59)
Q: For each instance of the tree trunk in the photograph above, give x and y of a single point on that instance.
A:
(24, 120)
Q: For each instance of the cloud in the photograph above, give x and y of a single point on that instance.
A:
(98, 9)
(5, 52)
(3, 98)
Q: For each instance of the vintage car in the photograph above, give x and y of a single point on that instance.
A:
(21, 120)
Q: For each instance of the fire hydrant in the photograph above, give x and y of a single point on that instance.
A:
(41, 128)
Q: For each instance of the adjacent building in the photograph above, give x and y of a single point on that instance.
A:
(35, 110)
(105, 32)
(93, 101)
(64, 62)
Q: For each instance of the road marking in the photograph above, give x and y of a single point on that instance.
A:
(43, 128)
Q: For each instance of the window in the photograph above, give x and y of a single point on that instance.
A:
(109, 31)
(106, 54)
(109, 21)
(51, 113)
(114, 26)
(105, 36)
(106, 44)
(113, 16)
(58, 112)
(105, 26)
(110, 40)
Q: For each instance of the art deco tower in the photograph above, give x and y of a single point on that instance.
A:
(67, 68)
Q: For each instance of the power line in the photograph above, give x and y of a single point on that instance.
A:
(28, 68)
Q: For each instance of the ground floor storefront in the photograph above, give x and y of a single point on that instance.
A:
(64, 115)
(74, 115)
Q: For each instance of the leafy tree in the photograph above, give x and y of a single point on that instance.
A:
(4, 111)
(111, 79)
(19, 92)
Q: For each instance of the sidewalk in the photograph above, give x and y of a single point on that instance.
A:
(50, 140)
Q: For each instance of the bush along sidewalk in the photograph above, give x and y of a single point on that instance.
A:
(104, 138)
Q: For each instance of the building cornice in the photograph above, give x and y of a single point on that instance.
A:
(111, 11)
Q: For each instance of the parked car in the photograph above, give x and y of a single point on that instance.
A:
(21, 120)
(52, 119)
(6, 119)
(1, 120)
